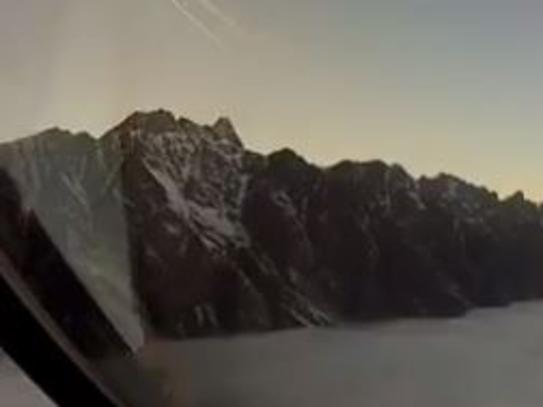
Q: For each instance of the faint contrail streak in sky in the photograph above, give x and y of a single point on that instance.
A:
(198, 23)
(212, 8)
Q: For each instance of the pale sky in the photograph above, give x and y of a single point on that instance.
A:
(435, 85)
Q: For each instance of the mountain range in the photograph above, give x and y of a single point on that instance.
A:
(176, 229)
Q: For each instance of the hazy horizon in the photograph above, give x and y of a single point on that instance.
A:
(437, 86)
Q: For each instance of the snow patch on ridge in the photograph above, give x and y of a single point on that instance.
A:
(199, 171)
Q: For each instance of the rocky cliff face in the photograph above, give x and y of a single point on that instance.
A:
(181, 225)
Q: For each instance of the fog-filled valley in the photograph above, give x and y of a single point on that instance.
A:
(491, 358)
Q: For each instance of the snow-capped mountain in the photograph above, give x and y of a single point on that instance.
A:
(176, 228)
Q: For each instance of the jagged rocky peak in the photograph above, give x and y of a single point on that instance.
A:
(287, 161)
(453, 191)
(223, 127)
(45, 155)
(455, 187)
(54, 131)
(254, 162)
(523, 210)
(370, 178)
(355, 170)
(160, 122)
(154, 121)
(289, 168)
(516, 198)
(399, 174)
(286, 155)
(55, 137)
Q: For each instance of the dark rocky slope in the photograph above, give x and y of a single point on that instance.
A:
(180, 224)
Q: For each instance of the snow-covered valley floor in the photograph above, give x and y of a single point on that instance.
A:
(491, 358)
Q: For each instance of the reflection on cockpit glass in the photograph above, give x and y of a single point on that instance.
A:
(276, 203)
(16, 389)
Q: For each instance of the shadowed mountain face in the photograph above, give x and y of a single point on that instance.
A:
(179, 224)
